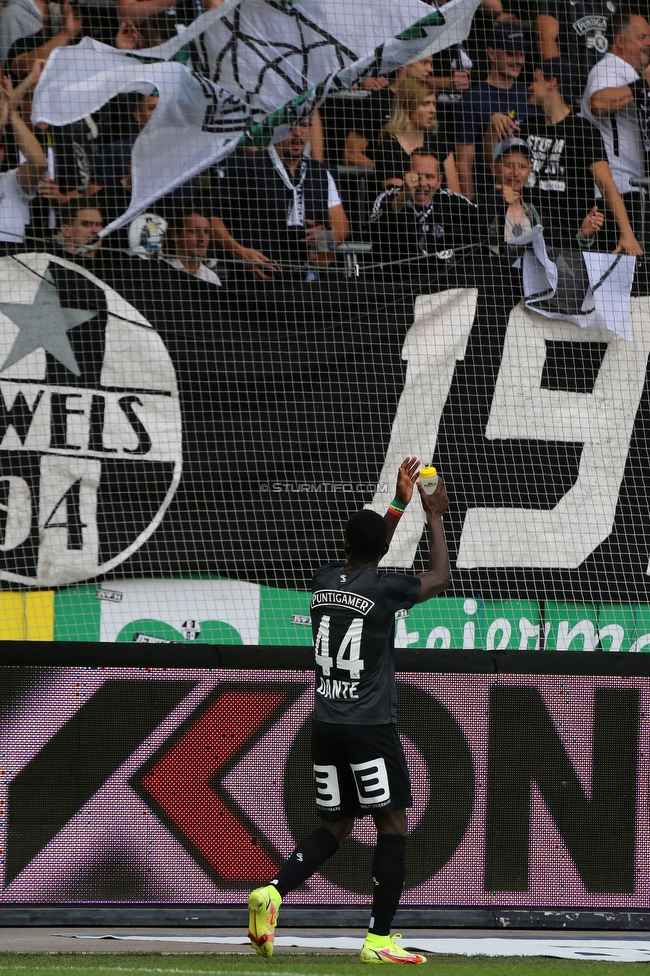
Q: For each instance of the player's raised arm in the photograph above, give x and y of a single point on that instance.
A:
(406, 479)
(437, 577)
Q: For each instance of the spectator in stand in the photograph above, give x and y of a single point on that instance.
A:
(114, 162)
(80, 223)
(412, 126)
(137, 10)
(150, 32)
(615, 100)
(502, 98)
(417, 219)
(452, 69)
(190, 236)
(567, 157)
(373, 113)
(26, 50)
(20, 18)
(571, 38)
(278, 206)
(17, 186)
(510, 214)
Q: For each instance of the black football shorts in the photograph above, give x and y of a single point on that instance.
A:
(358, 770)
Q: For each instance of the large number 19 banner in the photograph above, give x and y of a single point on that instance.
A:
(151, 424)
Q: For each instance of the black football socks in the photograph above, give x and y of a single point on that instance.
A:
(387, 880)
(307, 858)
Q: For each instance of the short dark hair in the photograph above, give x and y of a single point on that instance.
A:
(423, 152)
(178, 218)
(620, 21)
(365, 535)
(69, 212)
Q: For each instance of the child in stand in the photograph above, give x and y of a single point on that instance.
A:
(509, 214)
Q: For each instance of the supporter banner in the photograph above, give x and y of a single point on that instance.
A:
(256, 49)
(193, 785)
(297, 403)
(90, 424)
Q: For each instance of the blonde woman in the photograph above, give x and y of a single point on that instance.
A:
(413, 125)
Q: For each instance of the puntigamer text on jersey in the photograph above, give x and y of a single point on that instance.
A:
(341, 599)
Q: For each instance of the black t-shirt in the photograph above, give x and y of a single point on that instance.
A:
(353, 623)
(372, 113)
(338, 117)
(561, 186)
(448, 222)
(391, 160)
(582, 38)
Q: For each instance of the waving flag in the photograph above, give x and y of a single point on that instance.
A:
(262, 64)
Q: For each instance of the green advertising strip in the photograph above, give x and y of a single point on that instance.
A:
(446, 622)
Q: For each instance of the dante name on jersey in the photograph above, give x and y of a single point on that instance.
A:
(331, 688)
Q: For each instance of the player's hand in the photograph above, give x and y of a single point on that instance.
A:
(407, 476)
(592, 222)
(503, 125)
(437, 503)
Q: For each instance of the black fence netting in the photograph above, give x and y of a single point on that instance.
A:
(255, 254)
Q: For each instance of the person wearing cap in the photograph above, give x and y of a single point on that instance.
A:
(616, 100)
(510, 214)
(501, 98)
(567, 156)
(419, 220)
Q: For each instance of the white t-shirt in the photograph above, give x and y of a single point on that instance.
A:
(333, 198)
(203, 274)
(620, 131)
(14, 208)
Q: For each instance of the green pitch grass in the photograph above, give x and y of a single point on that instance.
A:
(222, 964)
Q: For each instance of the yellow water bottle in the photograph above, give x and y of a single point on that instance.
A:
(429, 479)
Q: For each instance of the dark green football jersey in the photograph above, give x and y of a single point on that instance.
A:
(353, 622)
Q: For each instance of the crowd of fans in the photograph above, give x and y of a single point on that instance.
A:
(540, 117)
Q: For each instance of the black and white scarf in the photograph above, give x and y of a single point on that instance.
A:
(296, 211)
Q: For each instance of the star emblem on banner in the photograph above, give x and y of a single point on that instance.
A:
(44, 324)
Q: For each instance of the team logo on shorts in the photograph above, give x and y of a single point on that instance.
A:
(90, 425)
(371, 781)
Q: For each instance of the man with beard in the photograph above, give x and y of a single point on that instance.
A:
(278, 208)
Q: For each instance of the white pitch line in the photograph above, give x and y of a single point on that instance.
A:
(143, 969)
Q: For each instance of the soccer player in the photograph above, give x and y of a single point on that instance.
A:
(359, 764)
